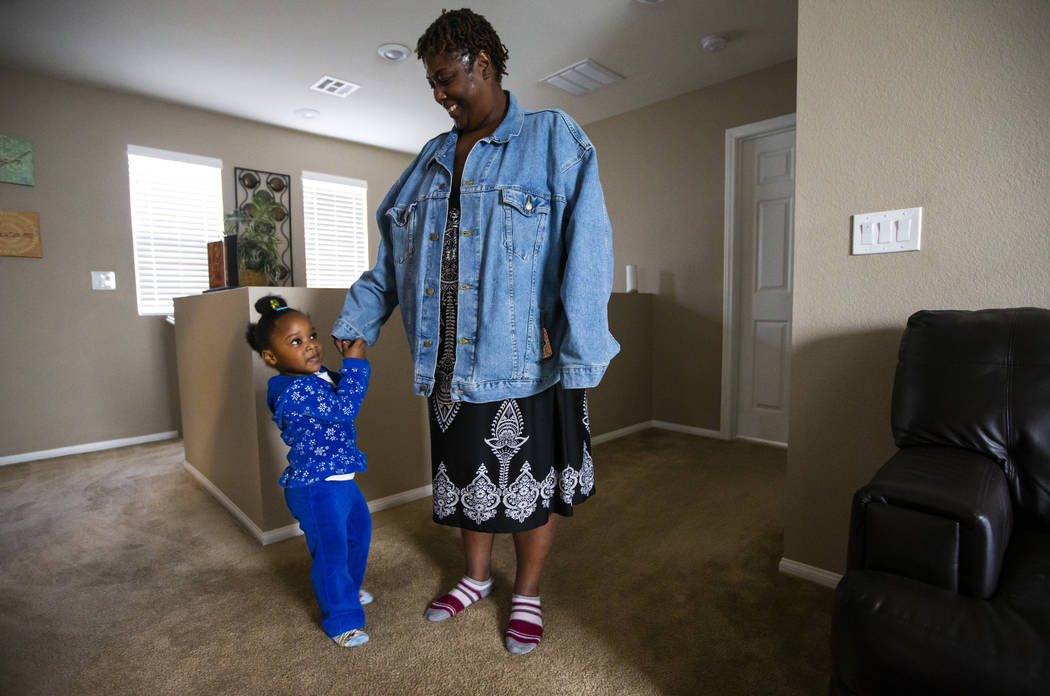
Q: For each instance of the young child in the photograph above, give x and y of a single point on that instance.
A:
(315, 409)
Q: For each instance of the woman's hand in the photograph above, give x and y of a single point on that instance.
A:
(350, 349)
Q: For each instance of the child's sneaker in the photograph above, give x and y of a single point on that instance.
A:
(365, 596)
(351, 638)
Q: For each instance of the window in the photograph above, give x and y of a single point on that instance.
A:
(176, 209)
(335, 229)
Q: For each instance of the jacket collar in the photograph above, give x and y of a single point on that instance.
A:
(509, 127)
(511, 124)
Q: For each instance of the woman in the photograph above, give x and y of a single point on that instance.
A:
(497, 245)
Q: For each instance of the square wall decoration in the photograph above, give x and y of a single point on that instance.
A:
(20, 233)
(16, 160)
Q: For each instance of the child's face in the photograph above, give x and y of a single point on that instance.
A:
(294, 348)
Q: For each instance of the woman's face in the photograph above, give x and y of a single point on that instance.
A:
(467, 93)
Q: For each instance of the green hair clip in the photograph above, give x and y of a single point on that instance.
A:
(277, 306)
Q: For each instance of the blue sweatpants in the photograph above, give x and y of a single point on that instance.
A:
(338, 528)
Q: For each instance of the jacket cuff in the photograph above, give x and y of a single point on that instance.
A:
(581, 377)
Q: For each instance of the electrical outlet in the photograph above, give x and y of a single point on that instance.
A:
(890, 230)
(103, 280)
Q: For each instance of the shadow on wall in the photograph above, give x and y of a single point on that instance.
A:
(172, 376)
(841, 389)
(687, 360)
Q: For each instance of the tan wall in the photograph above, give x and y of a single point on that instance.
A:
(663, 173)
(942, 104)
(65, 349)
(624, 397)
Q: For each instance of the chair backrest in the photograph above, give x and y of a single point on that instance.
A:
(981, 381)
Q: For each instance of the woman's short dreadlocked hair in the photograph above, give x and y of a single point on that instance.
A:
(463, 31)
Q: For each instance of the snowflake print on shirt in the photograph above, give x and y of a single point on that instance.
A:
(316, 418)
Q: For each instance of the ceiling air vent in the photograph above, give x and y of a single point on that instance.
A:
(335, 86)
(582, 78)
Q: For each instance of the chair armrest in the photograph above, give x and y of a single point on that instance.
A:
(941, 515)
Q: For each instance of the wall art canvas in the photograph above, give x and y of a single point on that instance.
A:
(16, 160)
(246, 183)
(20, 233)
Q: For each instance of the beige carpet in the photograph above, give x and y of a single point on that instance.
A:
(120, 575)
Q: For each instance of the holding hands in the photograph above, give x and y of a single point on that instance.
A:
(350, 348)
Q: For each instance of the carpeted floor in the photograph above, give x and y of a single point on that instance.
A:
(120, 575)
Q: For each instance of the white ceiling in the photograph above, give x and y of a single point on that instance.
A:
(257, 58)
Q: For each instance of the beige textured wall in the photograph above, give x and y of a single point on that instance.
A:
(663, 173)
(80, 366)
(942, 104)
(624, 397)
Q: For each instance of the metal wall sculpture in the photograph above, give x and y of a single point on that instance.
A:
(246, 182)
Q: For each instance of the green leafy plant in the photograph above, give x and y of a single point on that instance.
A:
(255, 225)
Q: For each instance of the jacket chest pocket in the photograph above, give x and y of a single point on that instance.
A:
(404, 228)
(524, 221)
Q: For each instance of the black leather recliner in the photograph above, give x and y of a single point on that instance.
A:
(947, 589)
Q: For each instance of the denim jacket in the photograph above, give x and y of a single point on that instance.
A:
(535, 259)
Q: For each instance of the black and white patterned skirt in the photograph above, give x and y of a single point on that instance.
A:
(505, 466)
(502, 466)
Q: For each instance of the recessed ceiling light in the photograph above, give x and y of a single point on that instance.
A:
(307, 113)
(648, 2)
(393, 52)
(713, 42)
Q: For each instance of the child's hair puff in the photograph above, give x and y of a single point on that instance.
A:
(269, 309)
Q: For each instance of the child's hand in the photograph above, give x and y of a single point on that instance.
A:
(351, 349)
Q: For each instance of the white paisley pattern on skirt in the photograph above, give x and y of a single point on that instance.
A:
(482, 499)
(506, 438)
(446, 495)
(586, 472)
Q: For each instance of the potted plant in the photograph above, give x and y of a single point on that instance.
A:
(255, 225)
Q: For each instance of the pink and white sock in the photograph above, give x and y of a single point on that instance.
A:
(466, 592)
(526, 624)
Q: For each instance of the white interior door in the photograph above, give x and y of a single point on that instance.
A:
(766, 241)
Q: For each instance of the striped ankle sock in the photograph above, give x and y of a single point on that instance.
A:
(466, 592)
(526, 624)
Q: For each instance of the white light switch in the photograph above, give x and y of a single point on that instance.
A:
(103, 280)
(890, 230)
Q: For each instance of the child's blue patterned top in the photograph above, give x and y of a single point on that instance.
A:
(317, 421)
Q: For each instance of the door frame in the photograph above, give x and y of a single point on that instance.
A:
(730, 321)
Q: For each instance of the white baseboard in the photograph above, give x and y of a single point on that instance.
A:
(760, 441)
(808, 572)
(663, 425)
(236, 511)
(621, 432)
(400, 498)
(86, 447)
(280, 534)
(689, 429)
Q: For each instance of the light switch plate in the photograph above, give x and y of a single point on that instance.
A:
(890, 230)
(103, 280)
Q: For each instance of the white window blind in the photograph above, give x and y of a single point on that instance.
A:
(176, 209)
(335, 227)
